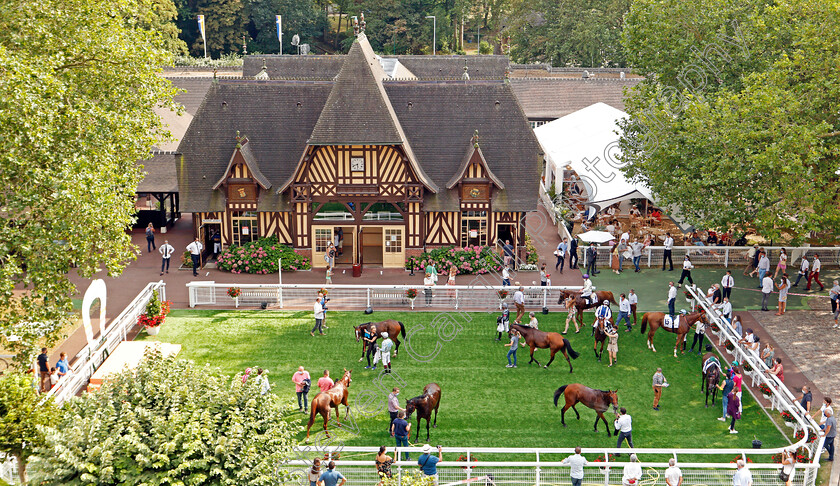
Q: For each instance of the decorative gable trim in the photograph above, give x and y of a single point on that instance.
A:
(242, 155)
(474, 157)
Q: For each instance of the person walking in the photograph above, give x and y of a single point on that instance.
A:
(672, 298)
(612, 345)
(804, 270)
(216, 238)
(302, 383)
(318, 311)
(666, 254)
(329, 256)
(752, 256)
(834, 296)
(576, 463)
(428, 288)
(44, 370)
(815, 273)
(686, 271)
(431, 269)
(519, 302)
(385, 351)
(195, 249)
(783, 286)
(150, 237)
(830, 432)
(624, 425)
(331, 477)
(571, 314)
(634, 303)
(573, 253)
(506, 276)
(766, 290)
(166, 250)
(543, 276)
(659, 382)
(699, 334)
(733, 408)
(632, 472)
(624, 312)
(514, 345)
(560, 253)
(782, 265)
(673, 475)
(62, 367)
(507, 250)
(428, 462)
(727, 282)
(636, 250)
(763, 267)
(325, 382)
(591, 258)
(400, 430)
(726, 389)
(394, 407)
(742, 476)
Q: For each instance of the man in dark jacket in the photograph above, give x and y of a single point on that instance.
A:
(591, 257)
(573, 256)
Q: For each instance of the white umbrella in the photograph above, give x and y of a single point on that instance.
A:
(596, 237)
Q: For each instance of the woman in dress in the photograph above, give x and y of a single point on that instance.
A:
(777, 370)
(315, 472)
(782, 265)
(451, 281)
(783, 286)
(614, 259)
(383, 464)
(612, 345)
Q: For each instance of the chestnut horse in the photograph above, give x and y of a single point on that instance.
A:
(710, 378)
(581, 304)
(392, 327)
(657, 320)
(598, 400)
(424, 404)
(324, 402)
(541, 339)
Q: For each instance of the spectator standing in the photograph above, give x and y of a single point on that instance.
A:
(686, 271)
(325, 382)
(371, 347)
(788, 466)
(44, 370)
(624, 425)
(727, 282)
(383, 463)
(637, 247)
(726, 388)
(830, 432)
(330, 477)
(543, 276)
(216, 238)
(318, 311)
(699, 334)
(634, 303)
(315, 472)
(150, 237)
(428, 462)
(394, 407)
(514, 345)
(624, 312)
(385, 351)
(767, 355)
(262, 381)
(519, 302)
(62, 367)
(783, 286)
(612, 345)
(507, 249)
(632, 472)
(717, 295)
(330, 255)
(750, 340)
(804, 269)
(659, 382)
(766, 290)
(725, 308)
(742, 476)
(591, 257)
(431, 269)
(506, 276)
(763, 267)
(806, 399)
(53, 377)
(733, 408)
(302, 383)
(576, 463)
(782, 265)
(673, 475)
(400, 429)
(571, 313)
(821, 415)
(623, 253)
(428, 288)
(573, 255)
(166, 250)
(666, 254)
(777, 370)
(834, 295)
(672, 298)
(195, 249)
(560, 253)
(815, 273)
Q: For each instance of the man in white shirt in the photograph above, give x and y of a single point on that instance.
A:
(195, 249)
(743, 476)
(506, 276)
(766, 290)
(727, 282)
(576, 462)
(166, 250)
(815, 273)
(632, 472)
(804, 269)
(634, 301)
(666, 255)
(673, 475)
(519, 301)
(625, 237)
(637, 247)
(763, 268)
(624, 425)
(318, 311)
(623, 312)
(725, 308)
(750, 340)
(672, 298)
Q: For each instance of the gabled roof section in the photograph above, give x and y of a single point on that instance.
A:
(474, 153)
(250, 160)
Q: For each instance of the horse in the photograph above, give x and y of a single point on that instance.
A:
(600, 337)
(582, 304)
(710, 379)
(598, 400)
(541, 339)
(657, 320)
(392, 327)
(424, 404)
(324, 402)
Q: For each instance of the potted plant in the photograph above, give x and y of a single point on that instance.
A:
(234, 293)
(788, 418)
(748, 369)
(463, 458)
(601, 458)
(715, 328)
(803, 455)
(688, 297)
(411, 294)
(765, 390)
(730, 348)
(800, 434)
(154, 315)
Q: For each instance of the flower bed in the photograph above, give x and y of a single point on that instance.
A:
(261, 257)
(468, 260)
(748, 367)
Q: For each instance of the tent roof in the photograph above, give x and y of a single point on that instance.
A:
(587, 140)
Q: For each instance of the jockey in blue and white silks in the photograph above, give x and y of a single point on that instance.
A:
(602, 315)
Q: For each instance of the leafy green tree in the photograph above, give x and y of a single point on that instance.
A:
(166, 421)
(225, 22)
(22, 418)
(161, 18)
(300, 17)
(737, 122)
(78, 86)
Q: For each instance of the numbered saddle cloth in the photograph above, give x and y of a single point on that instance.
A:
(711, 362)
(593, 298)
(672, 322)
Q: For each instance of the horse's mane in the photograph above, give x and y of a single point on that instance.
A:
(418, 397)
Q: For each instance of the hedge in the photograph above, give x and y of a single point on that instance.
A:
(261, 257)
(468, 260)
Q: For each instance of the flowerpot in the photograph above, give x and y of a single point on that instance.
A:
(730, 351)
(790, 424)
(412, 303)
(716, 333)
(153, 331)
(766, 396)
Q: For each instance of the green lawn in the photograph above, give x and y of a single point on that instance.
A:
(483, 403)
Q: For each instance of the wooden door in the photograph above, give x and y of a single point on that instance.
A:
(321, 238)
(394, 247)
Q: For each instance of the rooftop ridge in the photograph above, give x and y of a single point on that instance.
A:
(587, 80)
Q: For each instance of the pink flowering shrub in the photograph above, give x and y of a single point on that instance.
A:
(475, 260)
(261, 257)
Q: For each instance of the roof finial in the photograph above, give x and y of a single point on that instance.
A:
(238, 140)
(263, 74)
(475, 138)
(362, 22)
(466, 75)
(355, 26)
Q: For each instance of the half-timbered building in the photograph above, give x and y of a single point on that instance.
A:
(389, 165)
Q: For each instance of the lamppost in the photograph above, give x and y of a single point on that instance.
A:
(434, 35)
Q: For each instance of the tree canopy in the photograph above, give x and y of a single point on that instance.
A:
(167, 421)
(737, 121)
(78, 85)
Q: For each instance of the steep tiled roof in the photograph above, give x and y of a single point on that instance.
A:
(293, 67)
(194, 91)
(551, 98)
(158, 173)
(436, 67)
(251, 162)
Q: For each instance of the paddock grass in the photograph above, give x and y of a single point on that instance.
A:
(483, 403)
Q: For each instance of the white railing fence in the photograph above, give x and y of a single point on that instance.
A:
(725, 256)
(548, 204)
(360, 297)
(511, 466)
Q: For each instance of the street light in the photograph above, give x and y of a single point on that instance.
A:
(434, 35)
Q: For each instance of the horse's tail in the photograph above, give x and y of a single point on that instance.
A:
(558, 393)
(644, 322)
(572, 353)
(402, 328)
(612, 299)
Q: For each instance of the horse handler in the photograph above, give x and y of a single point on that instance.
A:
(659, 382)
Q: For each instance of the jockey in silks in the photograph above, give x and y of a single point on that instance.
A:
(588, 288)
(602, 316)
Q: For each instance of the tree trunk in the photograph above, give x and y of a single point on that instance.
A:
(21, 469)
(338, 27)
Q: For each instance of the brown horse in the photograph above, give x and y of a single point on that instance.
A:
(657, 320)
(582, 304)
(392, 327)
(598, 400)
(600, 337)
(710, 379)
(541, 339)
(424, 404)
(324, 402)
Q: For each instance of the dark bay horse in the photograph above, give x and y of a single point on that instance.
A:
(710, 379)
(598, 400)
(657, 320)
(324, 402)
(541, 339)
(392, 327)
(424, 404)
(600, 337)
(581, 304)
